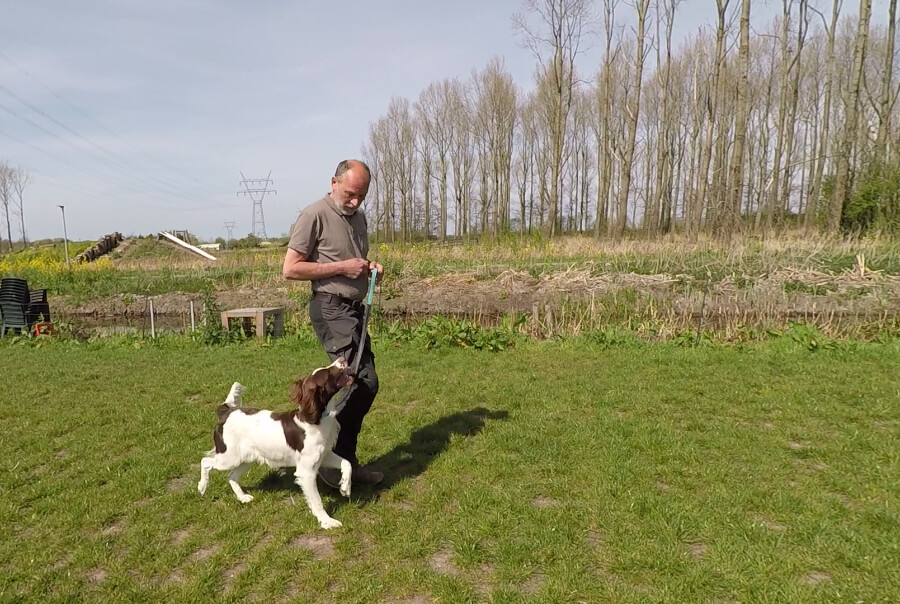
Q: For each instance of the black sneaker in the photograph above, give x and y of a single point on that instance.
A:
(363, 475)
(331, 477)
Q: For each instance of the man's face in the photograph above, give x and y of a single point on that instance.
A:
(349, 191)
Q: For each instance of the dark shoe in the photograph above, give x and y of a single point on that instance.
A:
(331, 477)
(363, 475)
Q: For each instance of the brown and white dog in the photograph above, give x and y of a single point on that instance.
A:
(301, 438)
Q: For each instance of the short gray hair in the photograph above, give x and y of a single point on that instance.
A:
(345, 165)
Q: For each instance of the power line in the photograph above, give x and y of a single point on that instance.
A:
(229, 226)
(5, 57)
(257, 189)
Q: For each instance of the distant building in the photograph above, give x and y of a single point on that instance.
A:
(210, 246)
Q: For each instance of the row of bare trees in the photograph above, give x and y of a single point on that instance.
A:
(739, 128)
(12, 205)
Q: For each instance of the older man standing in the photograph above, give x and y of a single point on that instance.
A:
(329, 246)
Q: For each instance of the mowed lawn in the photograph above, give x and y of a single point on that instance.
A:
(553, 472)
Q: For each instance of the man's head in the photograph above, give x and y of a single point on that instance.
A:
(350, 185)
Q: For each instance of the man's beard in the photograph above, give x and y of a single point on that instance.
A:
(346, 210)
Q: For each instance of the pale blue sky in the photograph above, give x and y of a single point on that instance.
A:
(138, 116)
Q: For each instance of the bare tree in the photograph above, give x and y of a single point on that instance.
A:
(887, 88)
(434, 112)
(633, 108)
(562, 25)
(851, 119)
(712, 97)
(6, 188)
(20, 180)
(736, 168)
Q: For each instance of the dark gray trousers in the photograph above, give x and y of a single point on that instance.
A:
(337, 323)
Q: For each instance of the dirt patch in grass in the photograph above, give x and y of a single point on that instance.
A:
(113, 528)
(320, 547)
(179, 536)
(697, 550)
(97, 576)
(544, 502)
(204, 553)
(534, 583)
(815, 578)
(414, 599)
(231, 574)
(442, 563)
(178, 484)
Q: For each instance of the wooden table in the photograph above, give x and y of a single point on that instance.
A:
(257, 317)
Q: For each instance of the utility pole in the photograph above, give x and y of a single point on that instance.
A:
(229, 226)
(65, 236)
(257, 189)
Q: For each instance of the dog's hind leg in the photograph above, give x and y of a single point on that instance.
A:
(233, 477)
(307, 481)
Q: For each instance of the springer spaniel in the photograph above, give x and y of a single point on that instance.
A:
(301, 438)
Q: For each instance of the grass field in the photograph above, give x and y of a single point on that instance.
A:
(557, 471)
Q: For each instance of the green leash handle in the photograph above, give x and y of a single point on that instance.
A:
(365, 322)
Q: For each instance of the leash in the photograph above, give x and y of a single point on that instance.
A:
(359, 352)
(365, 323)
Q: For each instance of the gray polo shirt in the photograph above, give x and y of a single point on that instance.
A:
(325, 235)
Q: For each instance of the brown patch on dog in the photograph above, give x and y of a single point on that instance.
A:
(534, 583)
(320, 547)
(293, 434)
(544, 502)
(97, 576)
(815, 578)
(180, 535)
(697, 550)
(442, 563)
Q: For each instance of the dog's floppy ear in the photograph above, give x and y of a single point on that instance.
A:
(297, 392)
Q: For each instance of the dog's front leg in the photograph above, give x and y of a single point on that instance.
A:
(307, 481)
(333, 460)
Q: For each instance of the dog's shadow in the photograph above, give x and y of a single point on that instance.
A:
(405, 460)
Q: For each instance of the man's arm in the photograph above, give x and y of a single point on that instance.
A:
(298, 267)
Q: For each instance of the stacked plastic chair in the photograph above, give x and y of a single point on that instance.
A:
(14, 302)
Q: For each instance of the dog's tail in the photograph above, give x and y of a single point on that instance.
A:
(234, 396)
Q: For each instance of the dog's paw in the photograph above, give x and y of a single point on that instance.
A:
(345, 486)
(330, 523)
(201, 486)
(245, 498)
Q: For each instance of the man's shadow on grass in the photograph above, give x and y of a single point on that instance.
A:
(406, 460)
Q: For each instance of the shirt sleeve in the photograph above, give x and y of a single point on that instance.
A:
(305, 234)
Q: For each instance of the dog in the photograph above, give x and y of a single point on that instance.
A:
(302, 438)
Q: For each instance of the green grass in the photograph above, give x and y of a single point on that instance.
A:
(558, 471)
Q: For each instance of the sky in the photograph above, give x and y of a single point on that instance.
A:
(140, 117)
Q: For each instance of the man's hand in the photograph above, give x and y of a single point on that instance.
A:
(379, 271)
(355, 267)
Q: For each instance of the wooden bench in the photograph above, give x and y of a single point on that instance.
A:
(257, 318)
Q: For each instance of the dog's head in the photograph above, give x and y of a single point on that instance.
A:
(312, 393)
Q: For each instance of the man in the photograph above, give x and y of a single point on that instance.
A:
(328, 246)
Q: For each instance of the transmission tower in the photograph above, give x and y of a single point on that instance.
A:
(257, 189)
(229, 226)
